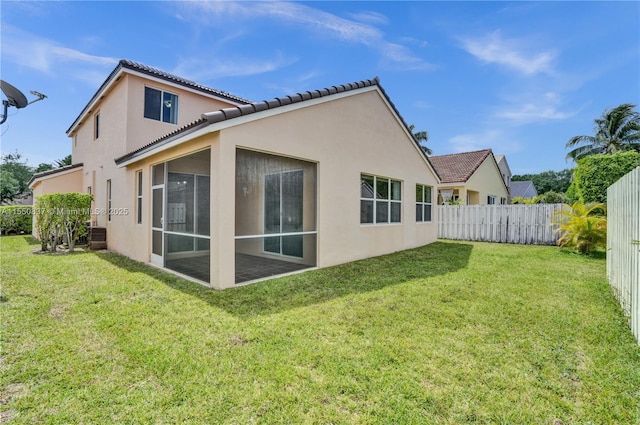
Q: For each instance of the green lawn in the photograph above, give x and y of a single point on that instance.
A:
(451, 333)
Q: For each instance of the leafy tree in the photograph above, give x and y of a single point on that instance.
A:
(14, 166)
(556, 181)
(594, 174)
(43, 167)
(582, 227)
(617, 130)
(422, 137)
(552, 197)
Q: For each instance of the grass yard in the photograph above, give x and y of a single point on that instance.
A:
(450, 333)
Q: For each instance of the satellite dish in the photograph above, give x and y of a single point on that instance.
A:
(15, 98)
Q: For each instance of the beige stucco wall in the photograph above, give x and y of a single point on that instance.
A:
(68, 181)
(123, 128)
(487, 180)
(344, 137)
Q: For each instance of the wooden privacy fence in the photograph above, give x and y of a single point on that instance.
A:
(623, 245)
(521, 224)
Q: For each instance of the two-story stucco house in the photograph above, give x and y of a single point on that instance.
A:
(225, 191)
(470, 178)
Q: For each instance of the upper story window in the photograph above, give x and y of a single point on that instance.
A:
(491, 199)
(380, 200)
(160, 105)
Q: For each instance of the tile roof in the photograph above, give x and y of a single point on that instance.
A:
(154, 72)
(243, 110)
(54, 171)
(458, 167)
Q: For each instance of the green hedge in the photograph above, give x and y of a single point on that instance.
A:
(16, 219)
(61, 214)
(594, 174)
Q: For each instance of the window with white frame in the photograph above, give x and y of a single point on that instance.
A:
(503, 201)
(491, 199)
(380, 200)
(139, 197)
(160, 105)
(423, 203)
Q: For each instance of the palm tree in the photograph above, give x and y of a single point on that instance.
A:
(617, 130)
(63, 162)
(421, 137)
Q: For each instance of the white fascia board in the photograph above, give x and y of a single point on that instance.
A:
(243, 119)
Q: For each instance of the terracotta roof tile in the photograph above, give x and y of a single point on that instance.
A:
(458, 167)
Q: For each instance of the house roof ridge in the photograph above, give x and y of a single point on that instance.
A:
(459, 167)
(463, 153)
(229, 113)
(154, 72)
(129, 64)
(235, 111)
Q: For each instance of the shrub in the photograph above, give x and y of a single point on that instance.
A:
(552, 197)
(582, 227)
(16, 219)
(62, 214)
(595, 173)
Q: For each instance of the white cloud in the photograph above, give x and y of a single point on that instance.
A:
(310, 19)
(544, 107)
(206, 69)
(370, 17)
(495, 140)
(511, 53)
(25, 49)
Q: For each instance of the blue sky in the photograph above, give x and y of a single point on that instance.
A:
(520, 78)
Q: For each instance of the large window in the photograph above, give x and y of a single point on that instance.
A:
(275, 215)
(423, 203)
(160, 105)
(380, 200)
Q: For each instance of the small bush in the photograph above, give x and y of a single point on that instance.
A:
(16, 219)
(61, 214)
(582, 227)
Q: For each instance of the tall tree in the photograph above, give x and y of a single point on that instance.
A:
(13, 165)
(556, 181)
(421, 137)
(617, 130)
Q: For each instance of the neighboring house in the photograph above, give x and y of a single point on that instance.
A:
(503, 165)
(470, 178)
(523, 189)
(249, 190)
